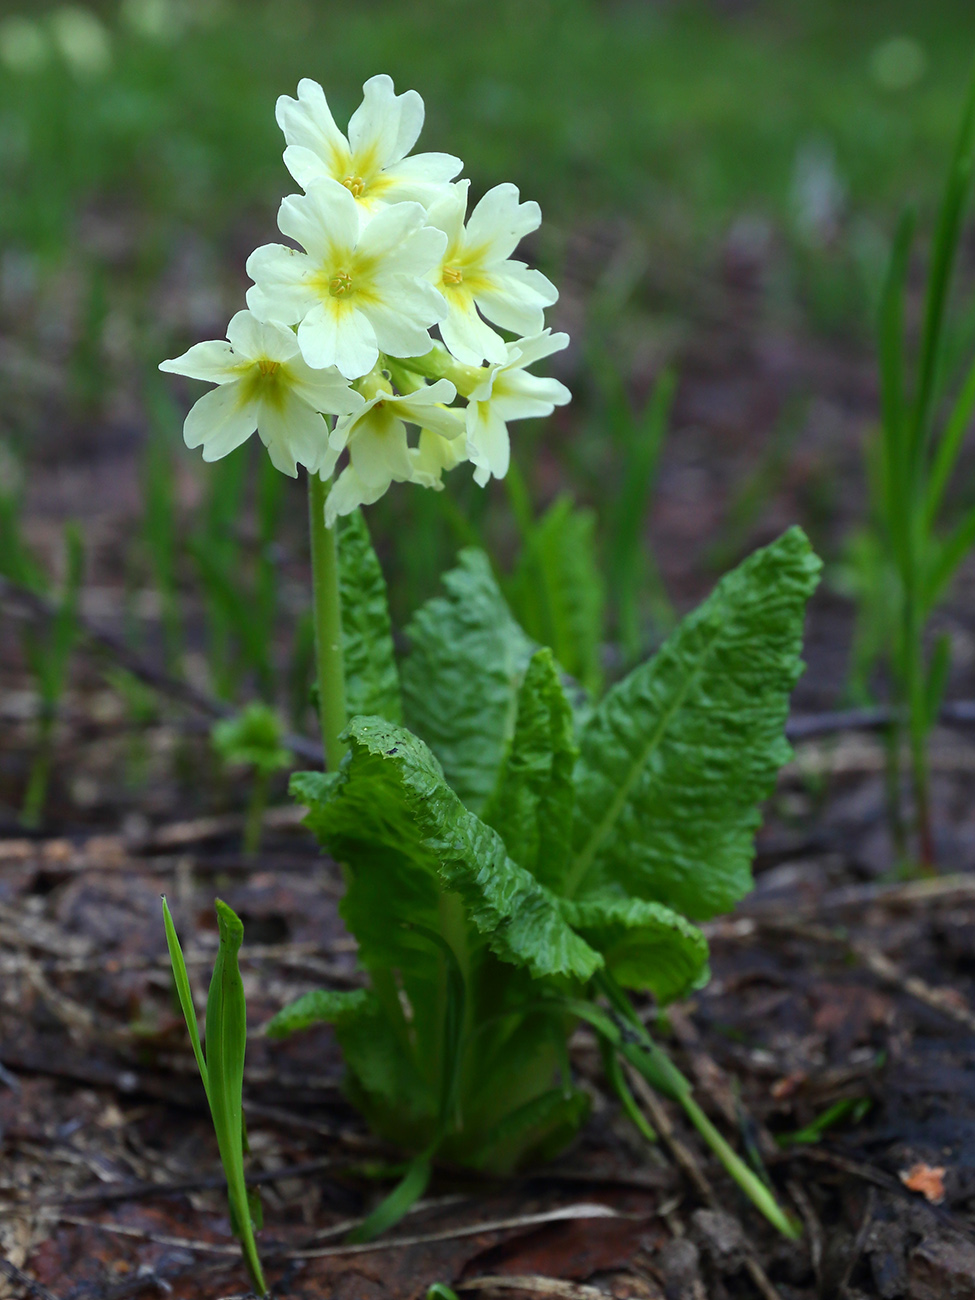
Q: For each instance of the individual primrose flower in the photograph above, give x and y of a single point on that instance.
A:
(371, 162)
(263, 384)
(379, 453)
(508, 392)
(477, 273)
(353, 292)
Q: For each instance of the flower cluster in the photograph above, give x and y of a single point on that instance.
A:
(340, 325)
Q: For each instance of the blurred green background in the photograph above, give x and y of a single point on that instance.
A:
(719, 180)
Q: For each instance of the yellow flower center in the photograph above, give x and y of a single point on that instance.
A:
(452, 275)
(267, 367)
(340, 284)
(354, 184)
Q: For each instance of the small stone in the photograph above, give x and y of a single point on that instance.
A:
(942, 1268)
(679, 1262)
(720, 1236)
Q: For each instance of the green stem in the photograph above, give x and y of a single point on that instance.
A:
(916, 700)
(660, 1072)
(255, 813)
(40, 772)
(329, 660)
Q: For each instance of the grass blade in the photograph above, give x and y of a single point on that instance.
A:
(184, 993)
(946, 242)
(949, 445)
(222, 1071)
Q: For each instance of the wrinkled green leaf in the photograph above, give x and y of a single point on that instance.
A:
(556, 591)
(391, 800)
(531, 807)
(678, 755)
(371, 676)
(461, 679)
(645, 945)
(330, 1006)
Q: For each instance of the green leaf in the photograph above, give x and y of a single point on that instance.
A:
(645, 945)
(184, 992)
(252, 737)
(533, 1132)
(678, 755)
(945, 557)
(371, 677)
(556, 591)
(392, 1208)
(937, 678)
(223, 1070)
(461, 679)
(320, 1005)
(392, 801)
(531, 807)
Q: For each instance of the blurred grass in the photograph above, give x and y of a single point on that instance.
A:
(677, 115)
(137, 172)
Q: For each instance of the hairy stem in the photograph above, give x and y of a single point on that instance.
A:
(329, 661)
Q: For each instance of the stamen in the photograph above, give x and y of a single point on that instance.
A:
(267, 367)
(355, 184)
(452, 275)
(340, 284)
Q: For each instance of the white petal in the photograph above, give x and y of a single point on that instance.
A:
(467, 337)
(379, 451)
(447, 210)
(389, 229)
(220, 421)
(333, 335)
(292, 433)
(324, 390)
(278, 342)
(307, 121)
(529, 350)
(410, 297)
(306, 167)
(520, 396)
(328, 214)
(419, 254)
(399, 328)
(385, 126)
(488, 445)
(345, 495)
(215, 362)
(499, 222)
(441, 390)
(423, 176)
(283, 277)
(517, 298)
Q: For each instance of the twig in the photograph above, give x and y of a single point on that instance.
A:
(583, 1211)
(554, 1286)
(811, 1223)
(15, 1275)
(685, 1157)
(149, 1191)
(946, 1001)
(859, 1243)
(959, 713)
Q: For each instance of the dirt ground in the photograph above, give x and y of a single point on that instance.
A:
(834, 986)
